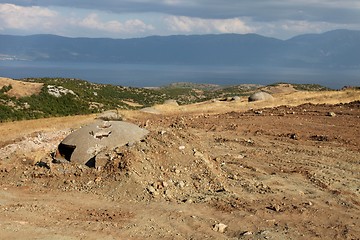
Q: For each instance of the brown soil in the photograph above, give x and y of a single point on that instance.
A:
(279, 170)
(20, 88)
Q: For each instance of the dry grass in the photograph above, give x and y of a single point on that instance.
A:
(132, 104)
(19, 88)
(284, 98)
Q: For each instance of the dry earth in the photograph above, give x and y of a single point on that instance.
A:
(284, 169)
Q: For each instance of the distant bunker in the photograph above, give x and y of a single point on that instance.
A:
(83, 145)
(260, 96)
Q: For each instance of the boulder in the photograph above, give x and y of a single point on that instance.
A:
(110, 115)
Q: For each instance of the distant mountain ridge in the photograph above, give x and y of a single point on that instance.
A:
(333, 49)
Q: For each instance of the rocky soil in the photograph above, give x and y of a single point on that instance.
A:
(285, 172)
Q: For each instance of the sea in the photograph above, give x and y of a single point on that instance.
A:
(155, 75)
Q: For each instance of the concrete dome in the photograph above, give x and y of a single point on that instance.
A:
(87, 142)
(260, 96)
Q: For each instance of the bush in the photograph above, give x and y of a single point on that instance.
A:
(5, 89)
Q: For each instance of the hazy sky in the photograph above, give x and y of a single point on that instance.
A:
(138, 18)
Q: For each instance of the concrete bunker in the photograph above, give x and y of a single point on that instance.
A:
(83, 145)
(260, 96)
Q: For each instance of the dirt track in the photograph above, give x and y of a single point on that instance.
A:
(270, 173)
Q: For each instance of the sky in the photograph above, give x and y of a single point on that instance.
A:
(281, 19)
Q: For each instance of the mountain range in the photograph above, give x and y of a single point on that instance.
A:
(333, 49)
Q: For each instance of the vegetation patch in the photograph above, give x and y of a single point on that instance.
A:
(68, 96)
(310, 87)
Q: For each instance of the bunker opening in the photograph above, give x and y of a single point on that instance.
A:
(66, 151)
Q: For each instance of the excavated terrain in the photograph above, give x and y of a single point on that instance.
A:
(279, 172)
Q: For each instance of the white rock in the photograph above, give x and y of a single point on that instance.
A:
(219, 227)
(331, 114)
(181, 184)
(151, 189)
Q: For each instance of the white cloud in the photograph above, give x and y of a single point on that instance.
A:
(17, 17)
(93, 21)
(35, 20)
(183, 24)
(234, 25)
(139, 18)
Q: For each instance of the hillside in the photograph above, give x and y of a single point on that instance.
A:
(35, 98)
(47, 97)
(335, 49)
(286, 168)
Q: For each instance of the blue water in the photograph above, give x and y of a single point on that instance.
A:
(138, 75)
